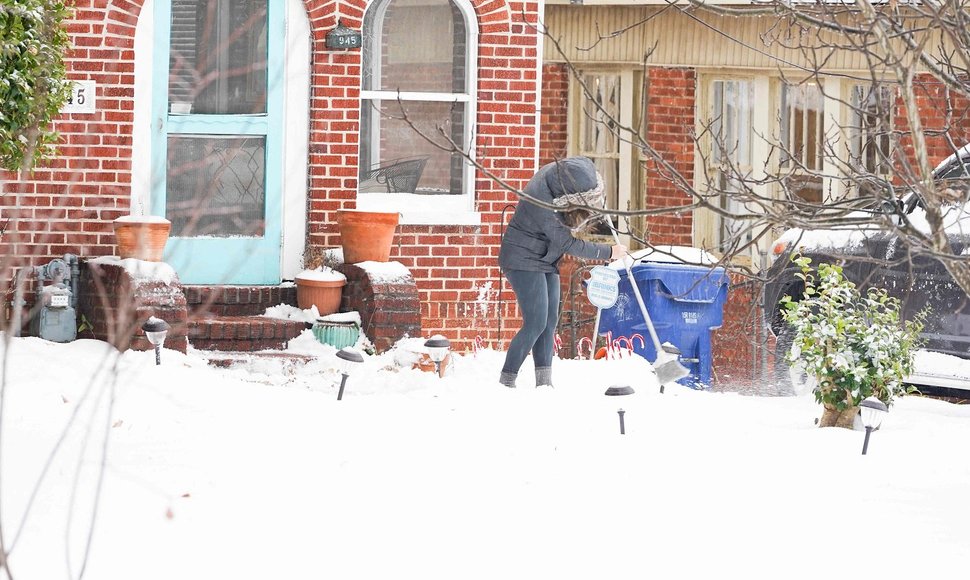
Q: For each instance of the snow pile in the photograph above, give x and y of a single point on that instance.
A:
(414, 475)
(287, 312)
(386, 272)
(141, 271)
(141, 219)
(353, 317)
(322, 274)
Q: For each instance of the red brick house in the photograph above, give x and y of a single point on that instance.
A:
(239, 124)
(236, 121)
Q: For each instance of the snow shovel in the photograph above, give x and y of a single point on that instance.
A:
(667, 367)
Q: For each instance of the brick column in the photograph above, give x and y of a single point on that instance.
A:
(389, 308)
(116, 304)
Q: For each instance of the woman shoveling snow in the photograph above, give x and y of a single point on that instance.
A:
(536, 239)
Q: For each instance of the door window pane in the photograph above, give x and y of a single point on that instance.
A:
(802, 133)
(599, 137)
(601, 110)
(217, 62)
(216, 186)
(871, 128)
(732, 104)
(801, 117)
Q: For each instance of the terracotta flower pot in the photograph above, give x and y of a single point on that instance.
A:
(141, 237)
(324, 294)
(366, 236)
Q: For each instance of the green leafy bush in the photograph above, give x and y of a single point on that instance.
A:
(33, 87)
(854, 346)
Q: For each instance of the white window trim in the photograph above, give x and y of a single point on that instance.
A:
(296, 123)
(454, 209)
(832, 130)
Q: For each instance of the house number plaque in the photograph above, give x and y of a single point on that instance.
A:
(82, 98)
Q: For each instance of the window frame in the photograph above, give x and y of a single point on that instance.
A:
(804, 171)
(453, 209)
(631, 189)
(708, 224)
(855, 133)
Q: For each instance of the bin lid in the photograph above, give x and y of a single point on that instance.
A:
(683, 283)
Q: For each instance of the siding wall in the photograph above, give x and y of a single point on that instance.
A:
(701, 40)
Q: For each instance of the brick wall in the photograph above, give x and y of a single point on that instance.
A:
(553, 119)
(944, 113)
(67, 205)
(737, 346)
(671, 95)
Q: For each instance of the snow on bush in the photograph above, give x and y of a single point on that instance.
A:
(855, 346)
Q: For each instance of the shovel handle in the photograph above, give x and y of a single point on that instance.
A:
(636, 292)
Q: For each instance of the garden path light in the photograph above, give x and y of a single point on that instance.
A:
(873, 410)
(349, 358)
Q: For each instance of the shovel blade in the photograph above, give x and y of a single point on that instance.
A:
(668, 368)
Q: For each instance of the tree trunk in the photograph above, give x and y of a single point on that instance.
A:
(832, 417)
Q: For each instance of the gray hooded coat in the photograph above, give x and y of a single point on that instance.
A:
(536, 237)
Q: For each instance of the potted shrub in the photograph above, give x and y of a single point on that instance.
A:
(853, 346)
(319, 284)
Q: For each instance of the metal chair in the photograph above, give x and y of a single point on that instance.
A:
(397, 175)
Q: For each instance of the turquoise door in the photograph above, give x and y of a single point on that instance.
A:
(216, 149)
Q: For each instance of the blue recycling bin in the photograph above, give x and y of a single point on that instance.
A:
(685, 304)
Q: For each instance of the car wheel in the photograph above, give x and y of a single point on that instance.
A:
(790, 379)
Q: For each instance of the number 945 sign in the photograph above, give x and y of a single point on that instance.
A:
(82, 99)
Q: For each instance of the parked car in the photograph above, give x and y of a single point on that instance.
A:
(874, 257)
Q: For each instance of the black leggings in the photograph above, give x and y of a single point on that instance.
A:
(538, 297)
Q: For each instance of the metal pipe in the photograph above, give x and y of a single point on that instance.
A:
(72, 261)
(16, 321)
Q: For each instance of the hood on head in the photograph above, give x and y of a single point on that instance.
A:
(575, 181)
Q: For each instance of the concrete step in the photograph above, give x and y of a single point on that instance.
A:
(275, 362)
(241, 333)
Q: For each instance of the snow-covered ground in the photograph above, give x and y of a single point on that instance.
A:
(194, 472)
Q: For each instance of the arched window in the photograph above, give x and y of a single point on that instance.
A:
(417, 107)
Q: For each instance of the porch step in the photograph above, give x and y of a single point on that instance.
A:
(236, 300)
(241, 333)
